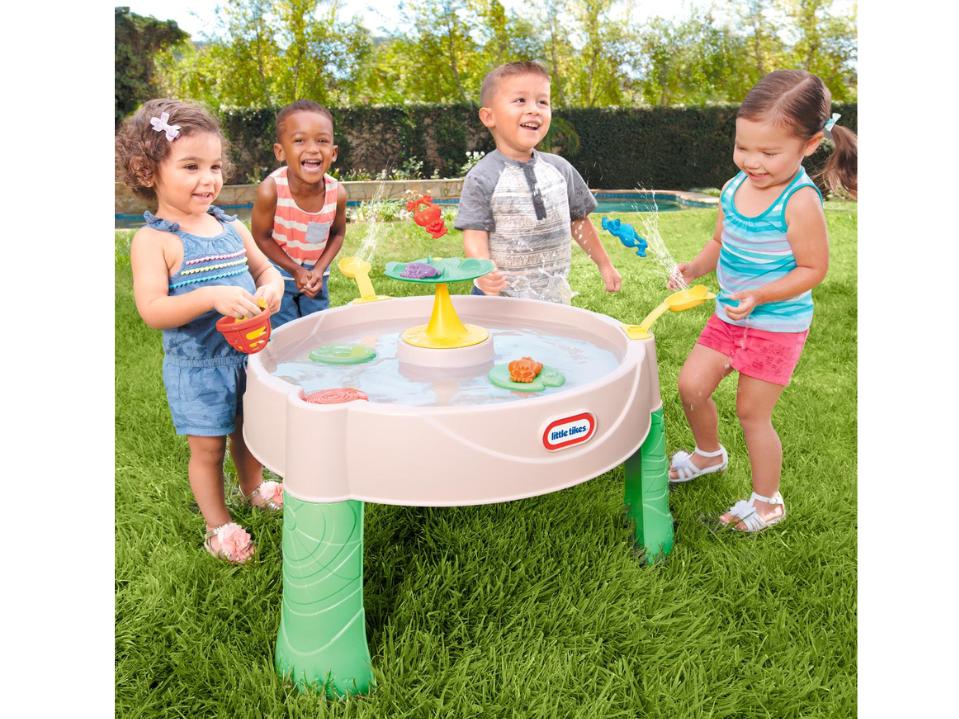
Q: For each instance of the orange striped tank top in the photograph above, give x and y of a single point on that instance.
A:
(301, 234)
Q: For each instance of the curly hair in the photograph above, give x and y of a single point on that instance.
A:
(140, 149)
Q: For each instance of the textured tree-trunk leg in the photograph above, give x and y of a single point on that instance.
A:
(322, 637)
(647, 493)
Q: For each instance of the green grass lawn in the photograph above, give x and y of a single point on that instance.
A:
(535, 608)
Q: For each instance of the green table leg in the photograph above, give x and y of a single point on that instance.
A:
(647, 493)
(322, 637)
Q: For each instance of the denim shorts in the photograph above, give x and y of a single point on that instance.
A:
(205, 401)
(295, 304)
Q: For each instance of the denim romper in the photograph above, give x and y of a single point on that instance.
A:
(203, 375)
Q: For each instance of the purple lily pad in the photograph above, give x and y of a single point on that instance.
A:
(419, 271)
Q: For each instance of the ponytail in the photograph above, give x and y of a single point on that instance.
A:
(840, 170)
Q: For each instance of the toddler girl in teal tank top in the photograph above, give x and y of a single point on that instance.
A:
(769, 250)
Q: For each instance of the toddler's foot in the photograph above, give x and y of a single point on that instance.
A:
(230, 542)
(685, 467)
(268, 495)
(755, 514)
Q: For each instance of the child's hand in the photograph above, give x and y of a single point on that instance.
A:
(234, 301)
(611, 278)
(682, 273)
(269, 294)
(748, 301)
(302, 278)
(315, 283)
(492, 283)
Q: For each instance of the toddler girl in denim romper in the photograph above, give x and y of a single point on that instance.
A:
(203, 375)
(192, 264)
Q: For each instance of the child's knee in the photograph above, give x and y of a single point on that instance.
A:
(208, 450)
(750, 415)
(692, 389)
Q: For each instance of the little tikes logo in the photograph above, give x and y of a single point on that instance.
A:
(567, 431)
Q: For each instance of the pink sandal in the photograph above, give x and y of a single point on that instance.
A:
(270, 495)
(230, 542)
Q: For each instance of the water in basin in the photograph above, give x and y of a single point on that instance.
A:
(580, 357)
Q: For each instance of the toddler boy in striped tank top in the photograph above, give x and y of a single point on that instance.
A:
(299, 217)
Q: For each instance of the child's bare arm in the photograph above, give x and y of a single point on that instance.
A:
(269, 283)
(476, 244)
(151, 259)
(707, 259)
(264, 209)
(808, 239)
(585, 235)
(333, 244)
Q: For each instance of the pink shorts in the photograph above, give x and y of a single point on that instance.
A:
(768, 356)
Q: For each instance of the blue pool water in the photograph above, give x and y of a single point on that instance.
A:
(607, 202)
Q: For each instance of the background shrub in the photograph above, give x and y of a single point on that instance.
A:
(614, 148)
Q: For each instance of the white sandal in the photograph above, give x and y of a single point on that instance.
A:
(687, 471)
(745, 511)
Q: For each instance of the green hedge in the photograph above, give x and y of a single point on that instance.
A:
(663, 148)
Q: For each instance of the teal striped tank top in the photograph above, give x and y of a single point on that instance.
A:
(756, 252)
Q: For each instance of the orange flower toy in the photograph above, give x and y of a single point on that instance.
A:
(430, 218)
(524, 370)
(247, 334)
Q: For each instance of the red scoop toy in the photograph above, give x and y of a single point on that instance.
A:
(430, 218)
(249, 334)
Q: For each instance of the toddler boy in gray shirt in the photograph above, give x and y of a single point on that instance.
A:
(519, 206)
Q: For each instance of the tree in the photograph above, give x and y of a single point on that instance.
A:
(701, 59)
(137, 40)
(764, 45)
(594, 77)
(824, 44)
(443, 57)
(504, 37)
(274, 52)
(557, 48)
(691, 62)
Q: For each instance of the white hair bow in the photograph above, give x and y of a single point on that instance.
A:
(160, 125)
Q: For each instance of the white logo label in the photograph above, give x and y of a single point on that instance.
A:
(567, 431)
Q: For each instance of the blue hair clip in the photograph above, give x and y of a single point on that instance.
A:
(830, 122)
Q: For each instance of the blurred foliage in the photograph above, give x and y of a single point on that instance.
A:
(614, 148)
(137, 40)
(598, 54)
(636, 102)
